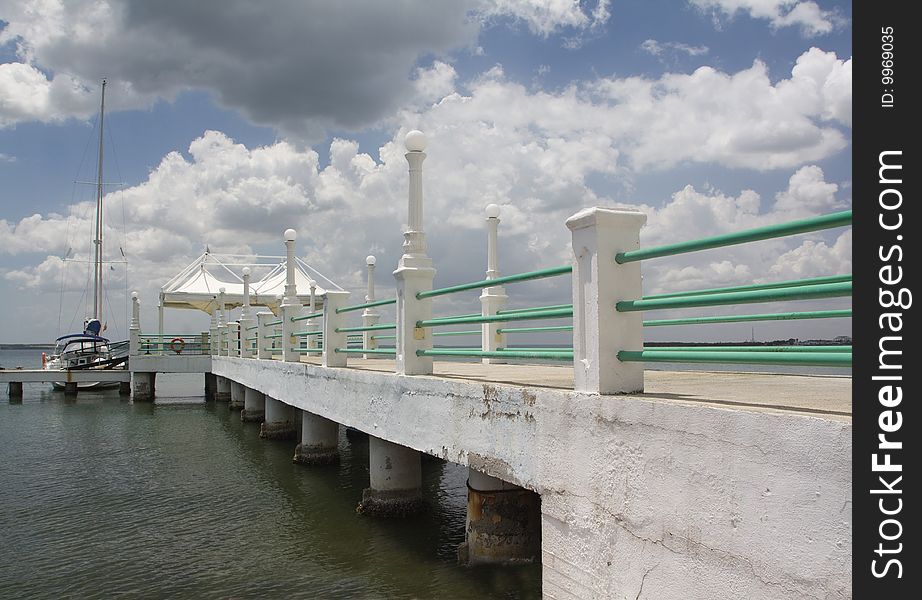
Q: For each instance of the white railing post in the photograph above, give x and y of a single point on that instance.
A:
(370, 316)
(493, 298)
(246, 317)
(214, 338)
(332, 321)
(414, 272)
(262, 348)
(291, 306)
(600, 331)
(312, 340)
(234, 344)
(134, 330)
(222, 324)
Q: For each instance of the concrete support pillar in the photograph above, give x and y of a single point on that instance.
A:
(395, 480)
(124, 388)
(70, 389)
(279, 423)
(600, 331)
(211, 386)
(503, 522)
(222, 389)
(319, 441)
(237, 391)
(15, 389)
(414, 272)
(254, 406)
(142, 387)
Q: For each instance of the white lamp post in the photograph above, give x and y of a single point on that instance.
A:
(370, 316)
(414, 272)
(493, 298)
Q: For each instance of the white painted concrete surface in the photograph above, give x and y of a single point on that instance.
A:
(641, 497)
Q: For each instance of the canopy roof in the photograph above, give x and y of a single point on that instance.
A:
(197, 286)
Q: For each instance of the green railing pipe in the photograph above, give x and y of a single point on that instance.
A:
(306, 333)
(839, 219)
(842, 348)
(273, 323)
(366, 350)
(518, 316)
(382, 327)
(527, 276)
(786, 316)
(755, 286)
(517, 310)
(469, 332)
(308, 350)
(252, 328)
(273, 335)
(366, 305)
(814, 359)
(312, 315)
(805, 292)
(534, 329)
(384, 337)
(564, 355)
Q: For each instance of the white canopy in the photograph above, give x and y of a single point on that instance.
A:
(198, 285)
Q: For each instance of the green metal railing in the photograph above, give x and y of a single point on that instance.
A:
(558, 313)
(554, 355)
(382, 327)
(273, 323)
(366, 350)
(527, 276)
(786, 316)
(812, 359)
(306, 333)
(755, 287)
(312, 315)
(839, 219)
(805, 292)
(534, 329)
(252, 328)
(366, 305)
(533, 309)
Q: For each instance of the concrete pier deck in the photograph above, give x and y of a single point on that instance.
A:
(709, 485)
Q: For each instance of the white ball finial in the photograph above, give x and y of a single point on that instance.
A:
(221, 290)
(134, 295)
(370, 260)
(492, 211)
(415, 141)
(290, 235)
(246, 271)
(311, 283)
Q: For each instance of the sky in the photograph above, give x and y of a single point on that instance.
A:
(229, 121)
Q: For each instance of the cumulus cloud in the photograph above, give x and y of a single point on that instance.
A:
(664, 50)
(301, 67)
(806, 15)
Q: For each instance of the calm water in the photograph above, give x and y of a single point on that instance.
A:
(102, 498)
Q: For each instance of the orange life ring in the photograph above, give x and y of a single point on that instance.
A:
(177, 345)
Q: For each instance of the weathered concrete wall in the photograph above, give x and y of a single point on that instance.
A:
(170, 363)
(640, 497)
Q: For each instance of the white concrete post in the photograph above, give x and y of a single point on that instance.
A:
(331, 322)
(234, 342)
(222, 324)
(370, 316)
(312, 340)
(262, 344)
(291, 306)
(160, 316)
(493, 298)
(214, 338)
(246, 317)
(600, 331)
(134, 330)
(414, 272)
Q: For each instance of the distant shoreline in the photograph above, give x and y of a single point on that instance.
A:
(25, 346)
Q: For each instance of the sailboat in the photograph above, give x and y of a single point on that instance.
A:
(88, 349)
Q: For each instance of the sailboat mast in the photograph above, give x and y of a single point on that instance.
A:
(98, 271)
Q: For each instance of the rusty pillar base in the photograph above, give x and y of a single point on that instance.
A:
(15, 389)
(235, 405)
(252, 416)
(315, 455)
(390, 503)
(278, 430)
(124, 388)
(503, 527)
(70, 388)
